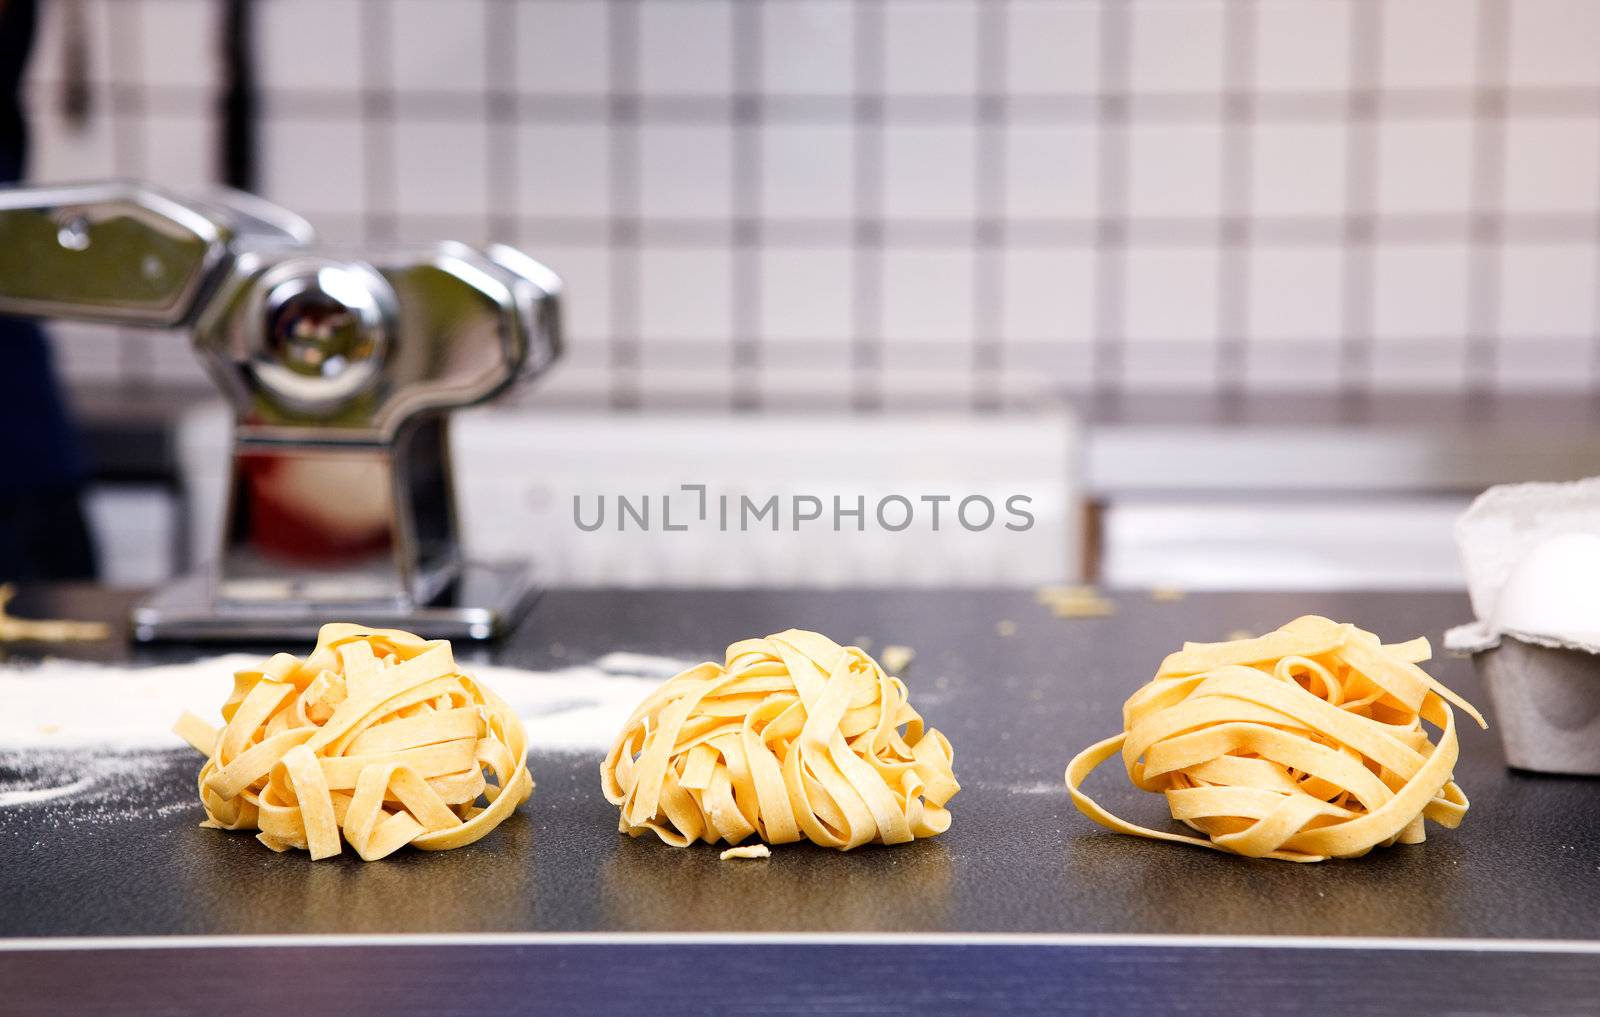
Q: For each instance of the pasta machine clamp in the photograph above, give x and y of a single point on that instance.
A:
(340, 371)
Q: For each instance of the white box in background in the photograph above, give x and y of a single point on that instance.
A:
(135, 529)
(1283, 542)
(518, 472)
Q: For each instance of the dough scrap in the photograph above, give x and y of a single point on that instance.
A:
(793, 737)
(16, 630)
(376, 739)
(1301, 745)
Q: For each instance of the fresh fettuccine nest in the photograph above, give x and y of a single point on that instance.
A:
(376, 739)
(1303, 744)
(792, 737)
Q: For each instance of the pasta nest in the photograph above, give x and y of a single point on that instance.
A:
(376, 737)
(792, 737)
(1303, 744)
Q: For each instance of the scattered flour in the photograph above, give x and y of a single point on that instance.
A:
(106, 717)
(34, 795)
(101, 786)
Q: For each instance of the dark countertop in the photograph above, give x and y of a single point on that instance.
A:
(1019, 859)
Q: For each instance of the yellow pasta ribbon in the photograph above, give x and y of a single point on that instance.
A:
(792, 737)
(1301, 745)
(376, 739)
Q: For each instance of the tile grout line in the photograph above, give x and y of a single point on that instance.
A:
(1107, 351)
(1487, 236)
(1403, 103)
(746, 119)
(1233, 262)
(991, 155)
(622, 113)
(378, 122)
(867, 318)
(503, 158)
(1364, 108)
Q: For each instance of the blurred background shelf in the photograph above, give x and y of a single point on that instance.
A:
(1242, 492)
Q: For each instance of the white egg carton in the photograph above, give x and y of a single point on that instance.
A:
(1532, 558)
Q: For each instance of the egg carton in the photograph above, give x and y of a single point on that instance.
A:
(1532, 558)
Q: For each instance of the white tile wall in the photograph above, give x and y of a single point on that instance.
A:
(905, 175)
(1429, 44)
(1546, 365)
(1172, 294)
(930, 47)
(178, 27)
(1177, 45)
(934, 170)
(439, 47)
(1438, 365)
(806, 170)
(1420, 292)
(1052, 47)
(792, 282)
(439, 169)
(559, 164)
(1295, 293)
(1302, 45)
(927, 295)
(809, 376)
(1176, 169)
(180, 152)
(1553, 42)
(1552, 166)
(809, 48)
(1292, 367)
(1051, 171)
(685, 46)
(1047, 296)
(317, 166)
(586, 284)
(63, 151)
(684, 293)
(687, 171)
(562, 48)
(1549, 291)
(292, 56)
(1424, 167)
(1298, 169)
(1178, 367)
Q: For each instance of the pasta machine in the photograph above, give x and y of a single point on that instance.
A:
(341, 370)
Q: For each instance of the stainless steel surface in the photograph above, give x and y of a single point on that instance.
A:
(538, 290)
(107, 252)
(321, 346)
(322, 331)
(340, 368)
(125, 253)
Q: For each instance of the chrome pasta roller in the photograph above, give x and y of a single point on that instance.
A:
(340, 370)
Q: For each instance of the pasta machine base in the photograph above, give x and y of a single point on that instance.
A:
(483, 603)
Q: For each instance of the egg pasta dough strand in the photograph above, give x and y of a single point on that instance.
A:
(1301, 745)
(793, 737)
(376, 739)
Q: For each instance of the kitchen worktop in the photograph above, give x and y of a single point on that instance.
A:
(556, 902)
